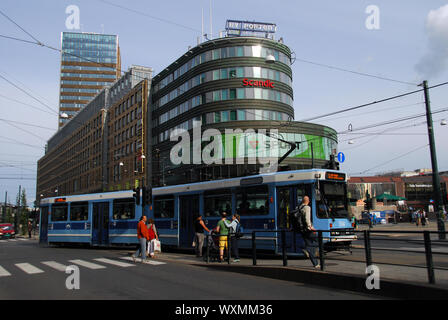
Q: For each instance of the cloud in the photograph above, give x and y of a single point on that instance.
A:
(435, 61)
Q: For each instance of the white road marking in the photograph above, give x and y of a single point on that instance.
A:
(55, 265)
(114, 262)
(153, 262)
(87, 264)
(3, 272)
(28, 268)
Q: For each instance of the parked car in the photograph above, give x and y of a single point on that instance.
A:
(7, 231)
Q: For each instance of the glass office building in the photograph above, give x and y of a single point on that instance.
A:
(89, 62)
(233, 85)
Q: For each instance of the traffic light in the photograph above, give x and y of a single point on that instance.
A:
(149, 195)
(146, 196)
(368, 202)
(136, 195)
(332, 164)
(144, 200)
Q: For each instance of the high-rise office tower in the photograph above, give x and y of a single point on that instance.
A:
(89, 62)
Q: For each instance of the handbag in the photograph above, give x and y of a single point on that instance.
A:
(156, 245)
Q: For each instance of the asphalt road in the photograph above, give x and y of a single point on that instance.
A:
(28, 271)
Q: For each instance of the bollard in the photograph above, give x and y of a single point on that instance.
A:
(429, 262)
(254, 250)
(367, 248)
(285, 258)
(321, 251)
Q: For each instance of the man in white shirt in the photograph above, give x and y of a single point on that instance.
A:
(309, 236)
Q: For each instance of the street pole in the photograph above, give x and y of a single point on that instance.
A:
(16, 217)
(4, 208)
(435, 169)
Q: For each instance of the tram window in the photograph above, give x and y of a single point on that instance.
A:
(216, 202)
(124, 209)
(164, 207)
(79, 211)
(59, 212)
(252, 201)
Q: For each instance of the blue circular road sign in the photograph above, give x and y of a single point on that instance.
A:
(341, 157)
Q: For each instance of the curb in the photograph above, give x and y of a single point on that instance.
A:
(354, 283)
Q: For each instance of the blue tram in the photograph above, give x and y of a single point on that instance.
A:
(263, 201)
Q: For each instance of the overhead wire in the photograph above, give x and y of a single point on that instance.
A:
(302, 60)
(391, 160)
(355, 72)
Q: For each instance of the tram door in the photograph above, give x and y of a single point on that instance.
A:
(288, 198)
(189, 206)
(43, 222)
(100, 223)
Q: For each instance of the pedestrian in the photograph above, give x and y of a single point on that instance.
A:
(199, 227)
(422, 218)
(142, 235)
(308, 233)
(417, 218)
(152, 234)
(233, 226)
(30, 228)
(223, 231)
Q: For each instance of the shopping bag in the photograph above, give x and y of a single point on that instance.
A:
(156, 245)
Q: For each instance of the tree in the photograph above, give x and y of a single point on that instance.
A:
(22, 213)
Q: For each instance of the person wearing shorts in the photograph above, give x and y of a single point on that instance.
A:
(223, 231)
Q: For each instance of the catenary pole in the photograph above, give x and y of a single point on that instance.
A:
(435, 170)
(4, 208)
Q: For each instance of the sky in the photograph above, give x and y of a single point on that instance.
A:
(405, 42)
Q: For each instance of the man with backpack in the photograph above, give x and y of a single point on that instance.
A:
(304, 225)
(236, 233)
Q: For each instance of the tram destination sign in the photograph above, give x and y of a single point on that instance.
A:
(239, 27)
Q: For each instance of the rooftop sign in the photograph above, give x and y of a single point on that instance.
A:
(244, 28)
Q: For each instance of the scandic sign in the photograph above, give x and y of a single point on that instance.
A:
(257, 83)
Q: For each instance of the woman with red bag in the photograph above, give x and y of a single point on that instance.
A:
(152, 234)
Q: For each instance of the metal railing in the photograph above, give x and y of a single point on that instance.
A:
(426, 241)
(283, 232)
(320, 244)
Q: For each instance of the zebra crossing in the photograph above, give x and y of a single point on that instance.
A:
(14, 240)
(93, 264)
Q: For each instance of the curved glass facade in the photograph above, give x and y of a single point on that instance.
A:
(223, 85)
(226, 116)
(223, 53)
(225, 74)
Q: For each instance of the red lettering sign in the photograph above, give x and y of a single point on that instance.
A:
(258, 83)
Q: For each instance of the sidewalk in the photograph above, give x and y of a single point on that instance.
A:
(395, 280)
